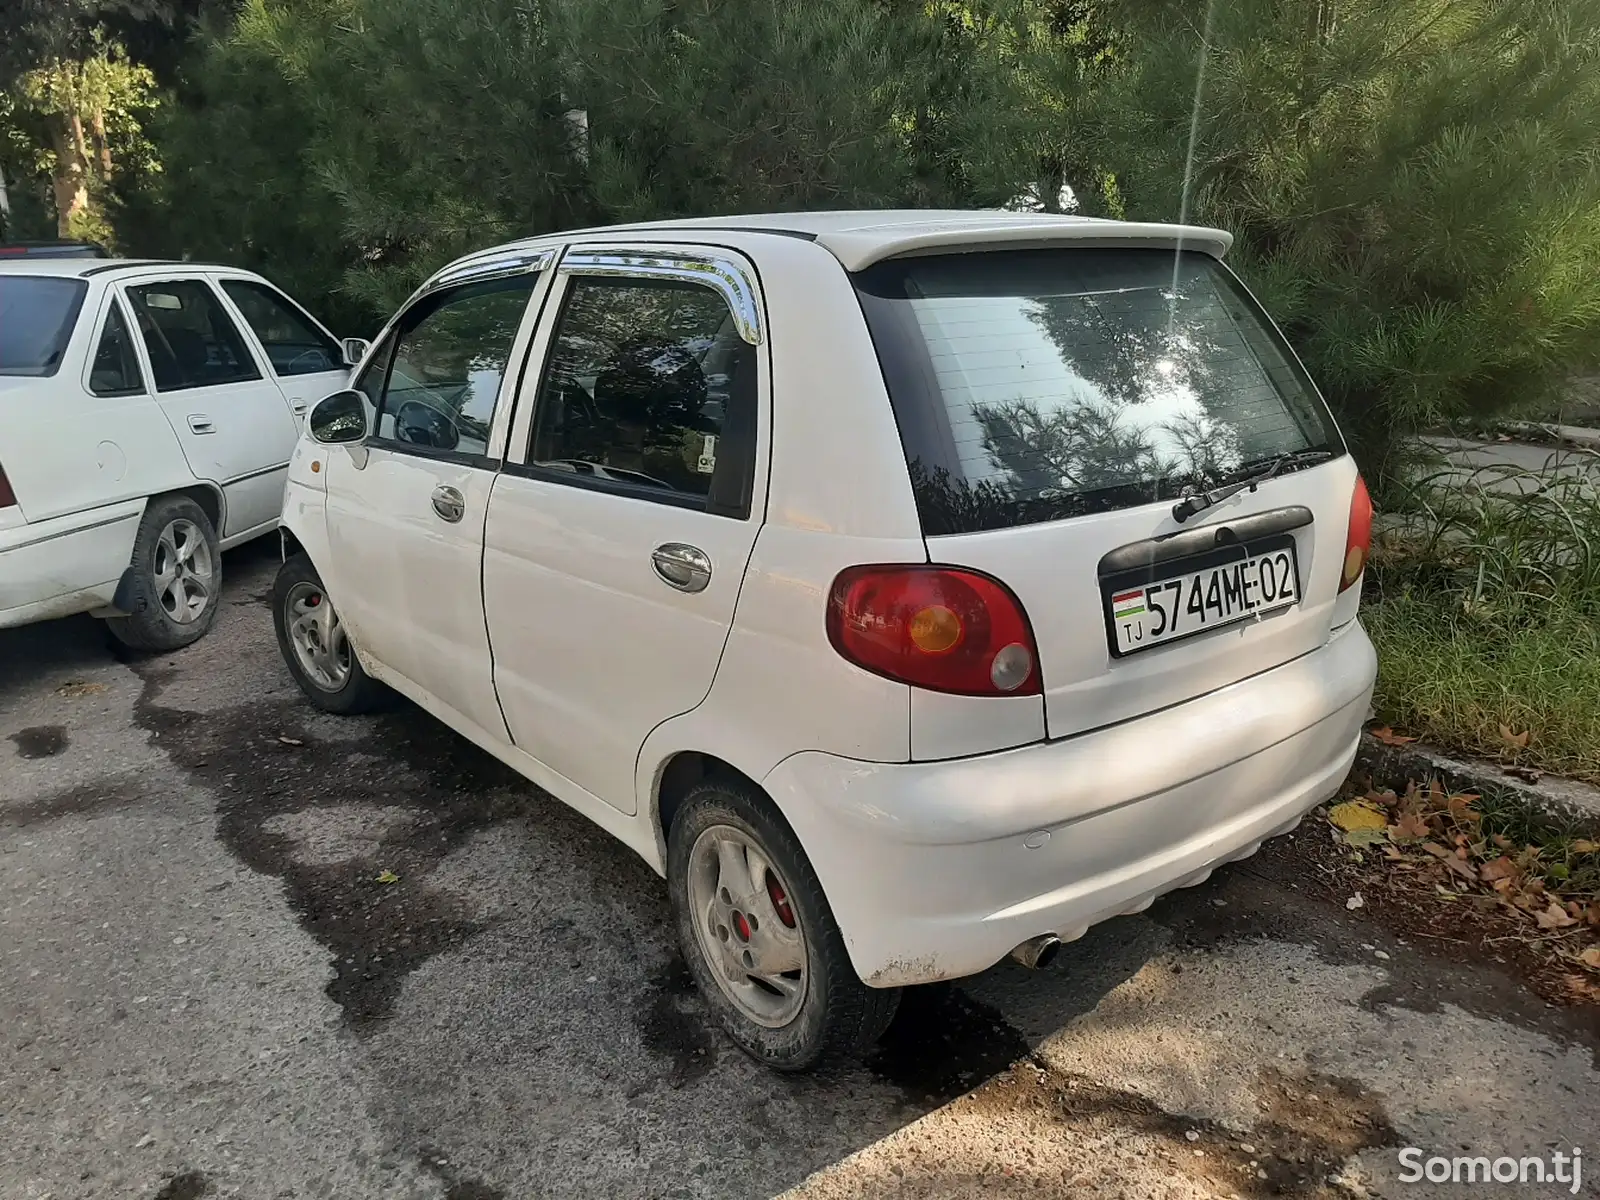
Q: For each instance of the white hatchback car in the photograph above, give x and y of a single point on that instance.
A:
(909, 588)
(128, 463)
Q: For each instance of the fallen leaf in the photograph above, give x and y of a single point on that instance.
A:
(1411, 827)
(387, 876)
(1501, 868)
(1591, 957)
(1585, 846)
(1517, 741)
(1436, 850)
(1554, 917)
(1461, 809)
(1389, 737)
(1355, 902)
(1353, 814)
(289, 741)
(80, 688)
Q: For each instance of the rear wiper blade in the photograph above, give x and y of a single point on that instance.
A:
(1198, 502)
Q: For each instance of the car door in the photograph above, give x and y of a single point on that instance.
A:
(235, 429)
(305, 359)
(622, 521)
(405, 509)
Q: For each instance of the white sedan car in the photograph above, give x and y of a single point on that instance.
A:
(130, 460)
(910, 589)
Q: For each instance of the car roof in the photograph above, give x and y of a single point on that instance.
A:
(82, 267)
(860, 238)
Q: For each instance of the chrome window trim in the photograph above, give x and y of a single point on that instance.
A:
(723, 274)
(479, 270)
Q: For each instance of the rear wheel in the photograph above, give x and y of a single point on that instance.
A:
(315, 645)
(177, 577)
(758, 935)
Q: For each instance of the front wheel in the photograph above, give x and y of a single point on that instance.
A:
(758, 935)
(315, 645)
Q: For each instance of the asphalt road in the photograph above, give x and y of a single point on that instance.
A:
(205, 991)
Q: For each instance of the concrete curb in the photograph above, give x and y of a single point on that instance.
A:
(1563, 801)
(1572, 435)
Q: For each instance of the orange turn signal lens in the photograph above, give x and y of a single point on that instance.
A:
(935, 629)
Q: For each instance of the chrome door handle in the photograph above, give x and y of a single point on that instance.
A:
(686, 568)
(450, 504)
(201, 424)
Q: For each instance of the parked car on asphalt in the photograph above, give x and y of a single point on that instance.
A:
(910, 589)
(128, 462)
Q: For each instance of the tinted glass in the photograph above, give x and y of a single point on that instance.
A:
(449, 361)
(36, 319)
(1035, 385)
(640, 386)
(116, 368)
(294, 344)
(190, 339)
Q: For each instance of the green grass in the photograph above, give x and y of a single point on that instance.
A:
(1454, 681)
(1484, 603)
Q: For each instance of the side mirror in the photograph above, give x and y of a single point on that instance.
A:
(355, 349)
(341, 417)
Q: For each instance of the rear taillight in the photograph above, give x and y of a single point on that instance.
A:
(1358, 541)
(940, 628)
(8, 498)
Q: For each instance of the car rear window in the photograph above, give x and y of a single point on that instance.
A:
(37, 314)
(1033, 385)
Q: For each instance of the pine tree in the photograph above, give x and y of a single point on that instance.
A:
(1414, 185)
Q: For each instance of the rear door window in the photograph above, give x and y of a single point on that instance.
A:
(1035, 385)
(190, 339)
(649, 390)
(37, 314)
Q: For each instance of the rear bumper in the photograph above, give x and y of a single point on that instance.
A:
(65, 565)
(936, 870)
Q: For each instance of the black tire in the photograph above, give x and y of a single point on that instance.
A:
(840, 1015)
(298, 582)
(161, 616)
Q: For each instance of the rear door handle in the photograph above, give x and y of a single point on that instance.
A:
(686, 568)
(450, 504)
(299, 407)
(200, 423)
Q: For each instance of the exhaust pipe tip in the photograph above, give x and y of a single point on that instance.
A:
(1037, 953)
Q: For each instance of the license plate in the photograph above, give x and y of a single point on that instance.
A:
(1181, 606)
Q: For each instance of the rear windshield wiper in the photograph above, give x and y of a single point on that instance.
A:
(1200, 501)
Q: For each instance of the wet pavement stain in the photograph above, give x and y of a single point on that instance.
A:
(40, 741)
(674, 1024)
(261, 762)
(191, 1185)
(77, 801)
(265, 760)
(943, 1043)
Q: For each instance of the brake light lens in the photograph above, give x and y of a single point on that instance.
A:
(8, 498)
(1358, 541)
(941, 628)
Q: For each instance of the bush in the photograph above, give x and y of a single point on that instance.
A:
(1414, 185)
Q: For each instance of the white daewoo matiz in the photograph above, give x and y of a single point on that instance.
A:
(911, 589)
